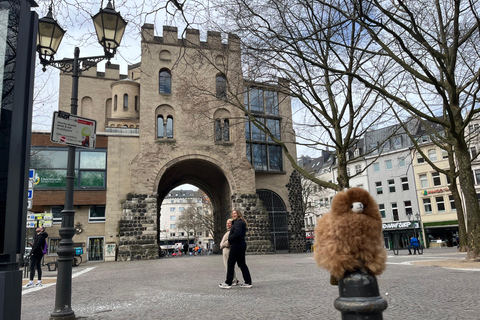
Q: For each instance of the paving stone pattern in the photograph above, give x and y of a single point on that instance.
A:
(285, 286)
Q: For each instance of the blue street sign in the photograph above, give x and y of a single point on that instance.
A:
(30, 194)
(31, 174)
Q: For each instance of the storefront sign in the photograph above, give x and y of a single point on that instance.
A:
(310, 234)
(425, 192)
(397, 225)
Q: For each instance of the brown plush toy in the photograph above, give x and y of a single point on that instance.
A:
(350, 237)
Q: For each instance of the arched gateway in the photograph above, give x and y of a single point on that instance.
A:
(179, 117)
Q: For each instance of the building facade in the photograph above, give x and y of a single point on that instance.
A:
(178, 117)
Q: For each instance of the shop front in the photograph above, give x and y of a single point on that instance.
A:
(397, 234)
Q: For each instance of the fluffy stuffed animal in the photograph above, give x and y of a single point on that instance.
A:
(350, 237)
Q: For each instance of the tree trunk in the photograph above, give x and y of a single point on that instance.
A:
(472, 207)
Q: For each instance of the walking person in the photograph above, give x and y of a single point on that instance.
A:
(225, 246)
(185, 248)
(413, 244)
(238, 246)
(36, 257)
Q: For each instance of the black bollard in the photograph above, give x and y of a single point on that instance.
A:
(359, 297)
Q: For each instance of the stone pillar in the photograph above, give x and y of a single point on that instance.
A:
(137, 228)
(296, 224)
(258, 234)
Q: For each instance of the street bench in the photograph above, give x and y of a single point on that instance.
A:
(52, 266)
(396, 249)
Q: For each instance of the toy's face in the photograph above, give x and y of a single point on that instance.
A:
(357, 207)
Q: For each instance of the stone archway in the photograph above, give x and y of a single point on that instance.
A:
(208, 177)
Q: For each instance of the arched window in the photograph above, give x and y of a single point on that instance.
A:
(125, 101)
(218, 130)
(115, 103)
(165, 129)
(165, 81)
(169, 127)
(222, 130)
(160, 129)
(221, 86)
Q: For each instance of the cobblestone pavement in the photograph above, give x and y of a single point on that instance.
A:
(285, 286)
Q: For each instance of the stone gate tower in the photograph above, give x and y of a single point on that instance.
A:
(179, 116)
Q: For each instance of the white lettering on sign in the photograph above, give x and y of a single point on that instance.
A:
(396, 225)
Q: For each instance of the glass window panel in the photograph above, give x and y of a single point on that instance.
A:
(92, 179)
(376, 167)
(256, 100)
(274, 126)
(55, 159)
(57, 214)
(259, 155)
(221, 86)
(96, 214)
(401, 162)
(388, 164)
(218, 130)
(275, 158)
(247, 129)
(245, 98)
(93, 160)
(271, 103)
(257, 134)
(226, 130)
(169, 127)
(125, 101)
(249, 153)
(165, 82)
(160, 133)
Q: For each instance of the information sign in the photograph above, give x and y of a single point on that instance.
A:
(29, 204)
(31, 174)
(73, 130)
(30, 194)
(31, 224)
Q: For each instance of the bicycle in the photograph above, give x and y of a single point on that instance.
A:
(77, 257)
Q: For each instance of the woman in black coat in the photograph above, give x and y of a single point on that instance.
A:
(238, 247)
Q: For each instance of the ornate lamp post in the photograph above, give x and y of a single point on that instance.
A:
(410, 219)
(110, 27)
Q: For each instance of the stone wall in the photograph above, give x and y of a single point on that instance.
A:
(258, 234)
(296, 224)
(137, 228)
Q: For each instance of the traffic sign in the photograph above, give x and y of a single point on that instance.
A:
(31, 174)
(31, 224)
(30, 194)
(29, 204)
(30, 184)
(30, 216)
(46, 224)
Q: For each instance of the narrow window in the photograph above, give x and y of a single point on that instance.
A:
(165, 81)
(440, 204)
(477, 176)
(96, 214)
(404, 183)
(427, 205)
(453, 207)
(401, 162)
(420, 159)
(218, 130)
(136, 103)
(423, 181)
(432, 155)
(115, 103)
(221, 86)
(395, 211)
(391, 185)
(125, 101)
(160, 131)
(381, 207)
(378, 185)
(169, 127)
(226, 130)
(388, 164)
(376, 167)
(408, 208)
(358, 168)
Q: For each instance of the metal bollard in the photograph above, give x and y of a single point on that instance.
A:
(359, 297)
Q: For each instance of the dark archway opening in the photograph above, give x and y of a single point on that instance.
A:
(209, 178)
(278, 217)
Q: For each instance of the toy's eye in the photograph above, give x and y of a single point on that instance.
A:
(351, 206)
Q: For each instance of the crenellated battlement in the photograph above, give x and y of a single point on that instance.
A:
(192, 38)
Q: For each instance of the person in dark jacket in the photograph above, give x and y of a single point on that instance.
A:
(185, 248)
(238, 246)
(36, 257)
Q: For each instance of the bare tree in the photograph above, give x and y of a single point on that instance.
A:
(196, 219)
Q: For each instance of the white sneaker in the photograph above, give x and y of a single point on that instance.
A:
(39, 283)
(235, 282)
(246, 285)
(225, 286)
(29, 284)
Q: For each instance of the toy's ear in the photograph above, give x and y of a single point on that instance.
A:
(345, 190)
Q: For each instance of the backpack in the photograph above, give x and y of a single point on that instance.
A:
(45, 249)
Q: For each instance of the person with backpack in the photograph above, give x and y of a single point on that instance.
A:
(36, 256)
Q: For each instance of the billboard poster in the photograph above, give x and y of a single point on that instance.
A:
(73, 130)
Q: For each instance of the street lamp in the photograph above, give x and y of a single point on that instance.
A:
(110, 27)
(417, 218)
